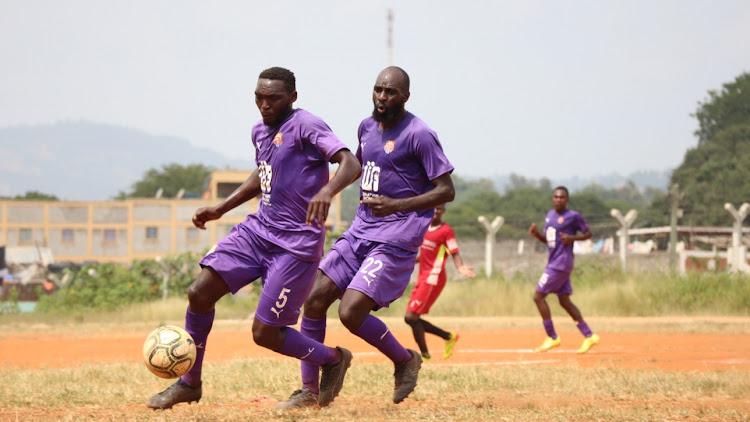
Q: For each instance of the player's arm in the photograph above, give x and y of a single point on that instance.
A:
(535, 233)
(464, 270)
(567, 239)
(348, 172)
(250, 188)
(443, 192)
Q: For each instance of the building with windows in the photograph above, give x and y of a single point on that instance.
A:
(132, 229)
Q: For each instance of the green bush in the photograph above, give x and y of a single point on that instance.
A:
(111, 286)
(11, 305)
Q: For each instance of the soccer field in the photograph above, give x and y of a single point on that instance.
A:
(643, 369)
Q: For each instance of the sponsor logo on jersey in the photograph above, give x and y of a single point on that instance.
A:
(389, 146)
(277, 141)
(560, 219)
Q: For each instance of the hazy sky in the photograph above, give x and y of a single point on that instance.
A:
(537, 88)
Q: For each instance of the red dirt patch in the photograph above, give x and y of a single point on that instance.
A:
(477, 346)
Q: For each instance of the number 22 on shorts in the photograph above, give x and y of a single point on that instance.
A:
(371, 267)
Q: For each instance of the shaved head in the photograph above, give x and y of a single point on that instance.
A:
(396, 76)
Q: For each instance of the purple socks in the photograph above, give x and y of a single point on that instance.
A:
(375, 332)
(316, 330)
(584, 329)
(549, 328)
(198, 326)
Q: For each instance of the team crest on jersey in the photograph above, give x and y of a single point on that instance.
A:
(277, 141)
(389, 146)
(560, 219)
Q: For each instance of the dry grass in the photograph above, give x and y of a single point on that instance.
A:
(248, 390)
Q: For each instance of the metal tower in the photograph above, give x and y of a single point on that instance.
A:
(389, 40)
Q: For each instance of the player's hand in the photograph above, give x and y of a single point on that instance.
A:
(318, 208)
(381, 206)
(533, 230)
(567, 239)
(204, 215)
(467, 271)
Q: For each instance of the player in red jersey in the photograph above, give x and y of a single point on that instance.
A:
(438, 242)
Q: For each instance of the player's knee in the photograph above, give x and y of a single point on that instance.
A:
(265, 336)
(315, 307)
(258, 336)
(196, 299)
(351, 317)
(411, 319)
(323, 294)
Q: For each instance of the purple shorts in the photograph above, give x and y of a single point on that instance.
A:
(242, 256)
(379, 270)
(554, 281)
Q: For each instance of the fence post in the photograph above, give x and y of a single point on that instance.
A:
(489, 240)
(164, 278)
(625, 223)
(675, 213)
(737, 254)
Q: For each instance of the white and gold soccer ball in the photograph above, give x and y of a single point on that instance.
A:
(169, 351)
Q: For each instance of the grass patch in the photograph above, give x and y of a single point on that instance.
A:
(248, 389)
(600, 290)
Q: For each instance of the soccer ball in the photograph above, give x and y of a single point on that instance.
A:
(169, 351)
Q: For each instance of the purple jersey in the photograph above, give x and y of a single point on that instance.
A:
(570, 222)
(397, 163)
(293, 163)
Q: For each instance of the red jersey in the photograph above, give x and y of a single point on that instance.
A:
(438, 244)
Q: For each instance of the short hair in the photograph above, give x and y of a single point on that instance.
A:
(562, 188)
(280, 74)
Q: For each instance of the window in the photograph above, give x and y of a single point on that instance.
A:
(152, 233)
(225, 189)
(192, 235)
(68, 236)
(110, 235)
(24, 237)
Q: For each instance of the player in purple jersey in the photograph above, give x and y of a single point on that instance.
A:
(281, 244)
(561, 229)
(405, 174)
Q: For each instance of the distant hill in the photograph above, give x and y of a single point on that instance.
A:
(658, 179)
(81, 160)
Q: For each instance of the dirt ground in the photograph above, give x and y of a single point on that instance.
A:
(671, 344)
(627, 348)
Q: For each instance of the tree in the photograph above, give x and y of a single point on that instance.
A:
(715, 172)
(33, 195)
(519, 182)
(171, 178)
(724, 109)
(467, 189)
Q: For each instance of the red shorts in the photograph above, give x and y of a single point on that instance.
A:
(424, 296)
